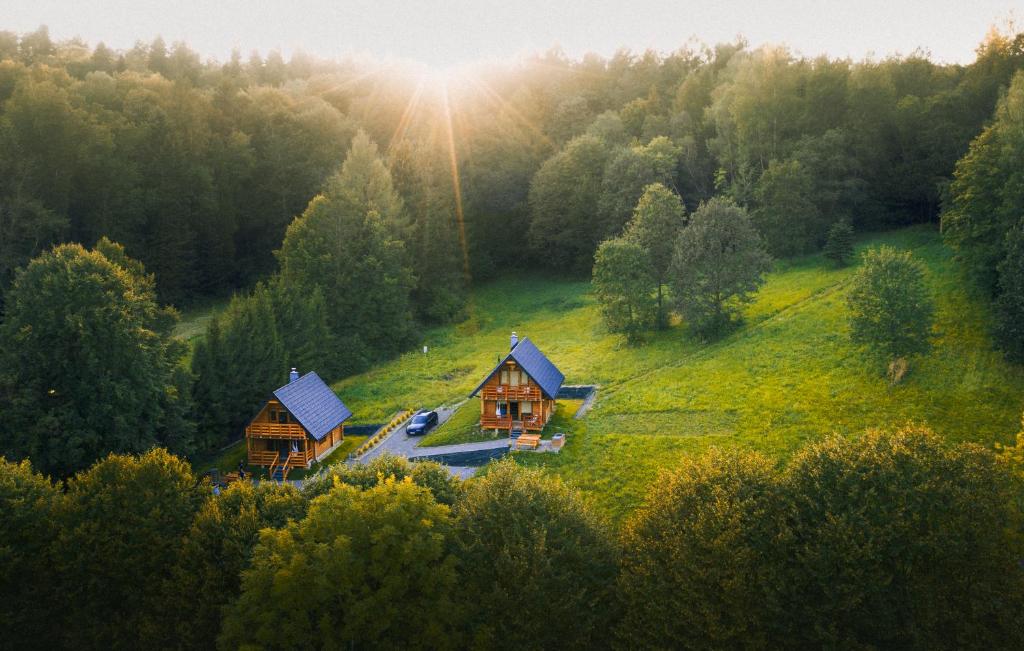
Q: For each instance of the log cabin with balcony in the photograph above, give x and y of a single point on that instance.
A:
(302, 422)
(519, 394)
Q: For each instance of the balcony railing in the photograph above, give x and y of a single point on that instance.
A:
(508, 392)
(528, 422)
(275, 431)
(496, 422)
(262, 458)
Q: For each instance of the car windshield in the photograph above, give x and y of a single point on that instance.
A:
(419, 420)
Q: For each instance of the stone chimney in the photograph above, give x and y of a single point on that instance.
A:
(294, 375)
(515, 340)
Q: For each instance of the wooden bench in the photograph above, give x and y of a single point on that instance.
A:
(531, 441)
(230, 477)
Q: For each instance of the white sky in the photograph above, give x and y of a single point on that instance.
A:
(456, 32)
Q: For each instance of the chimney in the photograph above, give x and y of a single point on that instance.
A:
(294, 375)
(515, 340)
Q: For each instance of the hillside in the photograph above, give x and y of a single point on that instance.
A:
(787, 375)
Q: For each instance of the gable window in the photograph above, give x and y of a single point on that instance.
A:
(504, 377)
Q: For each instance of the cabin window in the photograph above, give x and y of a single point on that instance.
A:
(500, 408)
(514, 378)
(526, 407)
(504, 377)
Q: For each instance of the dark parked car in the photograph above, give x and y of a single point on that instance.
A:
(422, 422)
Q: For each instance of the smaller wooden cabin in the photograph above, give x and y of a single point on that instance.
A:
(303, 421)
(519, 394)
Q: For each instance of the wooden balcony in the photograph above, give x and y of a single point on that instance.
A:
(508, 392)
(275, 431)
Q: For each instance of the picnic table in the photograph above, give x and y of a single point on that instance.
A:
(531, 441)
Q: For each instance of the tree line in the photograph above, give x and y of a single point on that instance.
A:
(893, 539)
(198, 167)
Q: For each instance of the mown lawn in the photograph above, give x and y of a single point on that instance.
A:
(464, 424)
(786, 376)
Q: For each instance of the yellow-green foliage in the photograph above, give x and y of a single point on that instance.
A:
(789, 374)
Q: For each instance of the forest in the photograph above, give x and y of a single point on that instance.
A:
(335, 215)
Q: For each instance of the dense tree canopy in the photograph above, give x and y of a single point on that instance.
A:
(903, 540)
(29, 506)
(371, 567)
(531, 547)
(345, 244)
(122, 525)
(703, 567)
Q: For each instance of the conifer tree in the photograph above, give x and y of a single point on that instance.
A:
(346, 244)
(839, 246)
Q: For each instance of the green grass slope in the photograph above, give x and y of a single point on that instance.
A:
(786, 376)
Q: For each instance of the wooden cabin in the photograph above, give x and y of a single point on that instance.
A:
(519, 394)
(302, 421)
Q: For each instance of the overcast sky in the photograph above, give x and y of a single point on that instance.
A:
(461, 31)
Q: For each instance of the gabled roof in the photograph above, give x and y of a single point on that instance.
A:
(537, 366)
(313, 404)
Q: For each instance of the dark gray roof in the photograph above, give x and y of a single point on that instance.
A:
(537, 366)
(313, 404)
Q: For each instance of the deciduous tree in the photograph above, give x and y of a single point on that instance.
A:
(530, 546)
(657, 222)
(367, 568)
(891, 308)
(89, 364)
(718, 262)
(624, 284)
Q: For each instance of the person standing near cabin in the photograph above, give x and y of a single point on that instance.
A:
(241, 469)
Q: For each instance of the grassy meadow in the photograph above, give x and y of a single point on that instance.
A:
(786, 376)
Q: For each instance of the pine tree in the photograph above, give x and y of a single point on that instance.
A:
(839, 246)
